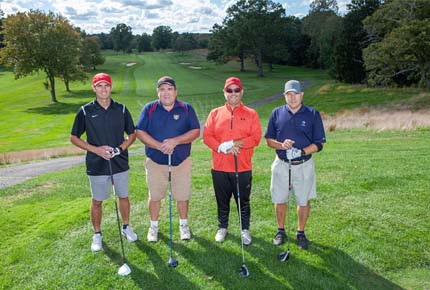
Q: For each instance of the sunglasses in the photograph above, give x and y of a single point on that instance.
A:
(237, 90)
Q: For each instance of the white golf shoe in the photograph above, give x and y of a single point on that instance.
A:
(129, 234)
(220, 235)
(97, 243)
(152, 234)
(185, 232)
(246, 237)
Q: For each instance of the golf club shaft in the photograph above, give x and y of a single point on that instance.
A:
(116, 210)
(238, 204)
(170, 200)
(289, 201)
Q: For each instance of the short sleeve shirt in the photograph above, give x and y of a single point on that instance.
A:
(161, 124)
(305, 127)
(104, 127)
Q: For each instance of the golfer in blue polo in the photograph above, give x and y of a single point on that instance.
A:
(296, 131)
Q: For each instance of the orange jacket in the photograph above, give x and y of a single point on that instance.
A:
(224, 124)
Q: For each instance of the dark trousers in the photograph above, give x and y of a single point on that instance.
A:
(225, 185)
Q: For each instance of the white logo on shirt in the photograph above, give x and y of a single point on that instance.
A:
(93, 116)
(176, 117)
(303, 124)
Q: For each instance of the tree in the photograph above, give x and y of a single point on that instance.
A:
(144, 43)
(184, 42)
(121, 36)
(35, 41)
(399, 32)
(161, 37)
(251, 27)
(1, 28)
(105, 40)
(322, 25)
(91, 53)
(348, 63)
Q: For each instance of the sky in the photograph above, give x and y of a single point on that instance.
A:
(96, 16)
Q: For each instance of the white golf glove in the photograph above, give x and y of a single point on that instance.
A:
(115, 151)
(224, 147)
(293, 153)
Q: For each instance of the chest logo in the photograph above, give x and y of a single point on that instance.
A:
(94, 116)
(303, 124)
(176, 116)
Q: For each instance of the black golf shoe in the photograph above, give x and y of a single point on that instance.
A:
(302, 242)
(279, 238)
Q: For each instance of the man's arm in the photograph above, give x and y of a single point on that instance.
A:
(169, 145)
(147, 139)
(102, 151)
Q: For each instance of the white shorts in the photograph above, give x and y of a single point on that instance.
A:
(303, 182)
(101, 185)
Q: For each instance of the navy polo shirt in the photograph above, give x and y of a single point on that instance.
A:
(161, 124)
(305, 127)
(104, 127)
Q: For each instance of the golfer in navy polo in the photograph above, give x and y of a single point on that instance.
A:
(105, 121)
(296, 131)
(168, 126)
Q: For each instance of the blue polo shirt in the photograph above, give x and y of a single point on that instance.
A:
(305, 127)
(161, 124)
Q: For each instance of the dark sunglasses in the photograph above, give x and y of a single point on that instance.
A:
(237, 90)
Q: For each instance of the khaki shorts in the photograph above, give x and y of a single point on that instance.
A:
(157, 179)
(101, 185)
(303, 181)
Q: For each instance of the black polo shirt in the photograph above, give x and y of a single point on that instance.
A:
(104, 127)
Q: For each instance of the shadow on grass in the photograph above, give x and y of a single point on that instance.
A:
(334, 269)
(55, 109)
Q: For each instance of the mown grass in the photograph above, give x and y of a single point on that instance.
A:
(29, 120)
(368, 226)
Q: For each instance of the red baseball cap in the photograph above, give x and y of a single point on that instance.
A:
(102, 77)
(233, 81)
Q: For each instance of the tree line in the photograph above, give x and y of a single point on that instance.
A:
(376, 42)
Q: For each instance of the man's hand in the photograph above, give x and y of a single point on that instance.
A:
(224, 147)
(293, 153)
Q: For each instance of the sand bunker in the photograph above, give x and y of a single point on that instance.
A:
(130, 64)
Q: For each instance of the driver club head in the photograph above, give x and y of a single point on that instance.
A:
(124, 270)
(173, 262)
(244, 271)
(284, 256)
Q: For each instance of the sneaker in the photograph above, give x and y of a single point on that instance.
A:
(279, 238)
(185, 232)
(302, 242)
(152, 234)
(129, 234)
(97, 243)
(220, 235)
(246, 237)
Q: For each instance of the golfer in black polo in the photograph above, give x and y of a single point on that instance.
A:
(104, 121)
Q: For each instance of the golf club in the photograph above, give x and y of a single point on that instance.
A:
(172, 261)
(286, 255)
(124, 270)
(243, 270)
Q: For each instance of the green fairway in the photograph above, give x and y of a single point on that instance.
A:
(369, 226)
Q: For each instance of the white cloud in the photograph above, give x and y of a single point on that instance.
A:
(95, 16)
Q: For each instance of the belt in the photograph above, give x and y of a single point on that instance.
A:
(297, 162)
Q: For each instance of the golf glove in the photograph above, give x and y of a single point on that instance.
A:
(224, 147)
(293, 153)
(116, 151)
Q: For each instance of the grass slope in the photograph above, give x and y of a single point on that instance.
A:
(368, 226)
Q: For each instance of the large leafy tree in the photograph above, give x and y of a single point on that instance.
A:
(322, 25)
(1, 34)
(348, 63)
(121, 36)
(400, 48)
(144, 42)
(91, 55)
(36, 41)
(161, 37)
(251, 27)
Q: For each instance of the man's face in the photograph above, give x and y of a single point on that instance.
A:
(102, 90)
(233, 95)
(294, 100)
(167, 94)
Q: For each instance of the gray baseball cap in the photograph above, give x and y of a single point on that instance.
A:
(293, 86)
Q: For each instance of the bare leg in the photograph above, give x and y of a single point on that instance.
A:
(96, 214)
(124, 208)
(280, 209)
(154, 209)
(182, 207)
(303, 214)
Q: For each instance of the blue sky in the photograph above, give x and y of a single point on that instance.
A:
(95, 16)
